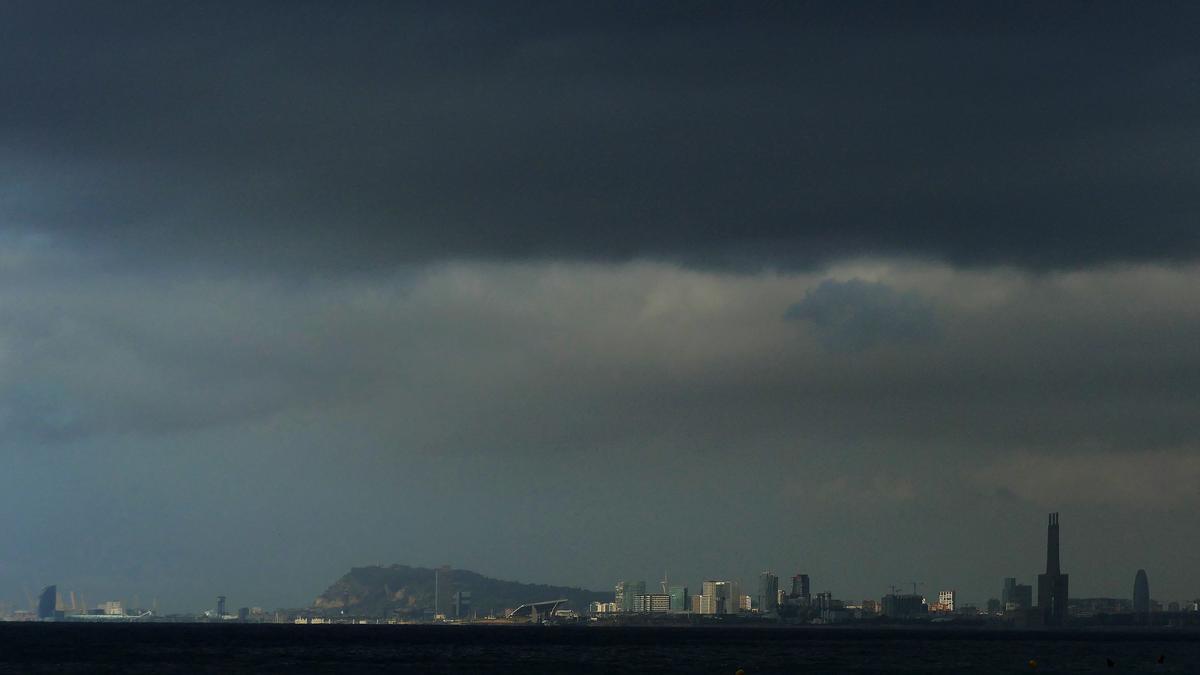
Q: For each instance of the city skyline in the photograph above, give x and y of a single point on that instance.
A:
(578, 293)
(727, 596)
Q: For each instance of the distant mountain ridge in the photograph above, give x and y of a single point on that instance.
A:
(401, 590)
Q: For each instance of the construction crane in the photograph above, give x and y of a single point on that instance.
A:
(915, 584)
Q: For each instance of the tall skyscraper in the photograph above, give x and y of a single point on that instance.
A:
(1015, 596)
(1023, 597)
(722, 596)
(1008, 591)
(768, 592)
(679, 599)
(801, 589)
(47, 602)
(624, 592)
(1052, 586)
(1141, 595)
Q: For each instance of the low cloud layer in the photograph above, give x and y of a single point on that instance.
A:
(856, 315)
(465, 384)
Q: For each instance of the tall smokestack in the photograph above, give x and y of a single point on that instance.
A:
(1052, 546)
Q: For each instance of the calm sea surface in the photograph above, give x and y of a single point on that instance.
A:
(175, 648)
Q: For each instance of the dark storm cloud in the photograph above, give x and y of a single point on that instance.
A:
(335, 136)
(584, 227)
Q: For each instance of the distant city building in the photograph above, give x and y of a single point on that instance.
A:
(722, 597)
(801, 589)
(603, 608)
(1141, 595)
(1022, 598)
(624, 593)
(780, 597)
(47, 602)
(652, 603)
(1088, 607)
(768, 592)
(1007, 592)
(220, 606)
(112, 608)
(870, 607)
(825, 601)
(1173, 606)
(679, 599)
(1052, 586)
(1015, 597)
(746, 604)
(945, 602)
(904, 606)
(994, 606)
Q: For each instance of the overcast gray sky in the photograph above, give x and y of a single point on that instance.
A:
(573, 294)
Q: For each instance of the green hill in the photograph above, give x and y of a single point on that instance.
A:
(401, 590)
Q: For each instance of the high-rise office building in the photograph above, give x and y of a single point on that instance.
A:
(768, 592)
(679, 599)
(1023, 597)
(801, 589)
(1015, 596)
(47, 602)
(1052, 586)
(1008, 591)
(624, 593)
(721, 597)
(1141, 595)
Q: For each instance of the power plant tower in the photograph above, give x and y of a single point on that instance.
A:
(1141, 596)
(1052, 586)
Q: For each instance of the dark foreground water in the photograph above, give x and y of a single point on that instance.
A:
(174, 648)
